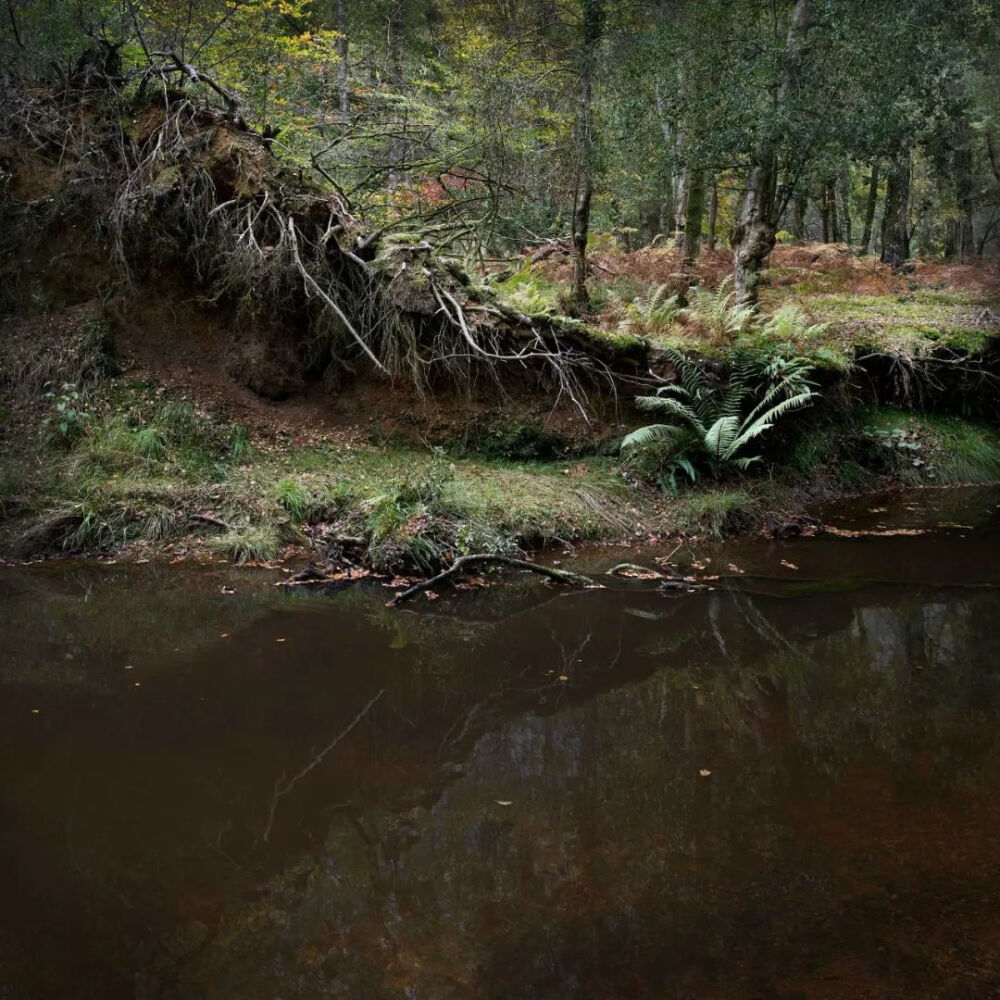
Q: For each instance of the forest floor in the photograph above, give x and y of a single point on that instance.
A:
(168, 455)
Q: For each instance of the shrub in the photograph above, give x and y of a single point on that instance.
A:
(66, 421)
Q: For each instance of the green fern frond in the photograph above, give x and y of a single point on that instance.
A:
(754, 428)
(652, 434)
(720, 437)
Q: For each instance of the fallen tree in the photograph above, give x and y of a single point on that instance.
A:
(190, 187)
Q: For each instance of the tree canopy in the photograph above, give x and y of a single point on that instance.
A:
(490, 125)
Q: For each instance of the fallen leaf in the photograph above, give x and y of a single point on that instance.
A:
(704, 772)
(504, 802)
(563, 677)
(788, 565)
(430, 595)
(281, 640)
(36, 711)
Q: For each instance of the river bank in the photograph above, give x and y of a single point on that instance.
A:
(153, 473)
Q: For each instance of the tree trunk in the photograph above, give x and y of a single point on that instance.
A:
(836, 233)
(694, 211)
(650, 221)
(755, 224)
(993, 154)
(581, 227)
(713, 215)
(585, 139)
(754, 228)
(680, 209)
(824, 212)
(844, 192)
(964, 195)
(343, 92)
(394, 40)
(895, 222)
(866, 236)
(800, 204)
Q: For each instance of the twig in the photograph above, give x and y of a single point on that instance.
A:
(560, 575)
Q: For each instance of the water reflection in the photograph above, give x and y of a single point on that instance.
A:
(524, 793)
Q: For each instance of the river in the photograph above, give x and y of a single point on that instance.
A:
(783, 787)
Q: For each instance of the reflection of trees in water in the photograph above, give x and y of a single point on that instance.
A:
(79, 626)
(618, 866)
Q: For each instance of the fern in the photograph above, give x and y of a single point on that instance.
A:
(653, 313)
(715, 313)
(715, 423)
(790, 324)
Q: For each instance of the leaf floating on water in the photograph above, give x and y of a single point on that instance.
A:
(563, 678)
(128, 666)
(225, 635)
(504, 802)
(733, 568)
(36, 711)
(704, 772)
(788, 565)
(281, 640)
(430, 595)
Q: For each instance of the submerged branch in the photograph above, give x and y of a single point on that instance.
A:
(560, 575)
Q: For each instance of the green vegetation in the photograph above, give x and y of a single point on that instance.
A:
(348, 195)
(712, 422)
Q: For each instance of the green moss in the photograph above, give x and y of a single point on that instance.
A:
(528, 292)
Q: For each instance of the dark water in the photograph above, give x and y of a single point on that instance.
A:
(784, 788)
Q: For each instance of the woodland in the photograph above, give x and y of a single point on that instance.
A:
(404, 276)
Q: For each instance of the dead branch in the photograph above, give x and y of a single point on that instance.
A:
(459, 565)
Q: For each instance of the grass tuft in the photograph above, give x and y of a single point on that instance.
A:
(253, 543)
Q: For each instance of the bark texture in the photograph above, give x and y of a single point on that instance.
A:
(757, 218)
